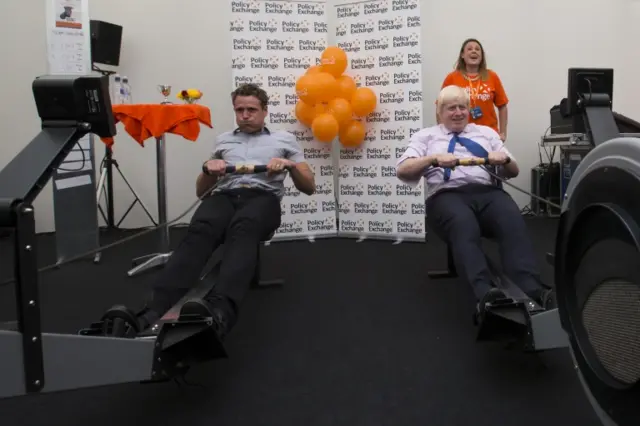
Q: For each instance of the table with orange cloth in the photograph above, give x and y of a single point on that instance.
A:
(144, 121)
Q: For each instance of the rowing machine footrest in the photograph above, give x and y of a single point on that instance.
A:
(507, 321)
(183, 343)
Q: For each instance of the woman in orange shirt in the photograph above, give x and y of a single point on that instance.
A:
(483, 85)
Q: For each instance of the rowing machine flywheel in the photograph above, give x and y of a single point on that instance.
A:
(597, 276)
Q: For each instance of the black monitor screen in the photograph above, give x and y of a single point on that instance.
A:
(586, 81)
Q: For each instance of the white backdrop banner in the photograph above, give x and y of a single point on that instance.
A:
(382, 41)
(274, 42)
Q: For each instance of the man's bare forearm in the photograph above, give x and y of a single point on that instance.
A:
(511, 169)
(204, 184)
(413, 169)
(303, 179)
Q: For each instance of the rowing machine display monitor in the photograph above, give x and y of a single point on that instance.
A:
(590, 102)
(71, 99)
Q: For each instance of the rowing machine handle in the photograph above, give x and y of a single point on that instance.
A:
(248, 168)
(470, 162)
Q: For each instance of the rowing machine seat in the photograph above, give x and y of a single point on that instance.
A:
(214, 264)
(258, 282)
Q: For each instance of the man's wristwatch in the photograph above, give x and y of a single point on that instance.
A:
(205, 170)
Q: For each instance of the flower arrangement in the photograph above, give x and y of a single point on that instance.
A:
(189, 96)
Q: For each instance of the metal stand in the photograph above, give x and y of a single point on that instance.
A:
(155, 260)
(105, 185)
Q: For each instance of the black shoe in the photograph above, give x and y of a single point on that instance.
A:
(199, 308)
(548, 299)
(489, 297)
(545, 297)
(146, 318)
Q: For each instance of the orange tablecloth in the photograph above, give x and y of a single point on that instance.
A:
(144, 121)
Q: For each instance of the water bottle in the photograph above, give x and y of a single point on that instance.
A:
(115, 90)
(126, 96)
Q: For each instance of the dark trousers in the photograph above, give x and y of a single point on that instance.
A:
(462, 216)
(240, 219)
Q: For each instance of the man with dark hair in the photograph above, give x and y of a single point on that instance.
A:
(237, 210)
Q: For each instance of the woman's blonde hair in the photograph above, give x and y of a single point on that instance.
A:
(462, 66)
(451, 94)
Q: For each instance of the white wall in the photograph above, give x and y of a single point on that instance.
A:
(158, 49)
(23, 52)
(530, 44)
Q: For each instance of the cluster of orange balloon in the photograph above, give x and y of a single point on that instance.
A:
(330, 103)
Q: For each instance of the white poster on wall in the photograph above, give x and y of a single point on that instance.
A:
(274, 42)
(69, 47)
(382, 41)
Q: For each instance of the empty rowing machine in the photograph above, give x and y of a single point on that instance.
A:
(33, 361)
(597, 255)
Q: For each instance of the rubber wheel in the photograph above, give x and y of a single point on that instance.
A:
(120, 321)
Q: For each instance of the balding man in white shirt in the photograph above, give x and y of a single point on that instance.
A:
(464, 203)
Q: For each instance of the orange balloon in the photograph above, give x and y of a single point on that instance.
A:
(363, 101)
(314, 69)
(341, 109)
(305, 113)
(346, 86)
(304, 88)
(352, 135)
(327, 87)
(320, 108)
(325, 127)
(334, 60)
(316, 87)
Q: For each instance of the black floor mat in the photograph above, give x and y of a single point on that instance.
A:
(358, 336)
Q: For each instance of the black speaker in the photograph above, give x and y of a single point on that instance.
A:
(106, 39)
(545, 183)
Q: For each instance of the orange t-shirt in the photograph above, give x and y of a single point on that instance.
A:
(483, 94)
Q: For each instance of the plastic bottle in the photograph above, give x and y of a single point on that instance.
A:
(116, 90)
(126, 91)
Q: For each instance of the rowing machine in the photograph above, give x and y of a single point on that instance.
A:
(517, 319)
(182, 341)
(35, 362)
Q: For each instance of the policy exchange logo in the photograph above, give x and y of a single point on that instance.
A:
(376, 7)
(350, 46)
(270, 63)
(257, 79)
(351, 153)
(243, 6)
(380, 190)
(350, 225)
(381, 226)
(274, 99)
(237, 25)
(292, 227)
(354, 190)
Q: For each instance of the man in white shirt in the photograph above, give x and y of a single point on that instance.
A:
(464, 203)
